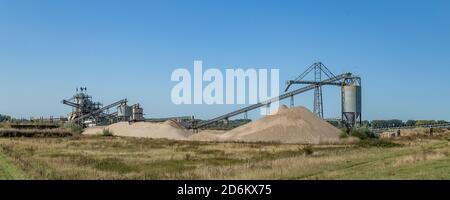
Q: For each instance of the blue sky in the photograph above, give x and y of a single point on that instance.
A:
(118, 49)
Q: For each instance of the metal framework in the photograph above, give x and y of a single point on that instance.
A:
(319, 70)
(101, 110)
(331, 80)
(85, 109)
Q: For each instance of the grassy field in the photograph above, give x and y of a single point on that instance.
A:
(99, 157)
(8, 171)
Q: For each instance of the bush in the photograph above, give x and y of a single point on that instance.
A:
(373, 142)
(35, 133)
(447, 138)
(73, 127)
(308, 150)
(4, 118)
(187, 156)
(362, 133)
(343, 135)
(107, 133)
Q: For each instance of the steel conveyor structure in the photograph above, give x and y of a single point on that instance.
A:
(272, 100)
(101, 110)
(69, 103)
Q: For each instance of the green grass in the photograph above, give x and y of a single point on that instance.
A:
(424, 162)
(374, 142)
(73, 127)
(107, 133)
(8, 171)
(98, 157)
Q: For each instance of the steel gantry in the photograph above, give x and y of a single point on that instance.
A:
(320, 71)
(286, 95)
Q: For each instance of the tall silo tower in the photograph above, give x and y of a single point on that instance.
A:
(351, 102)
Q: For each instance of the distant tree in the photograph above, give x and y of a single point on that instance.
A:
(365, 123)
(386, 123)
(395, 123)
(4, 118)
(410, 123)
(334, 123)
(425, 122)
(379, 124)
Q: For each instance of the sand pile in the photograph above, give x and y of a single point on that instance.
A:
(207, 135)
(295, 125)
(414, 132)
(168, 130)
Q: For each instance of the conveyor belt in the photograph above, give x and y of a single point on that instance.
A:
(269, 101)
(123, 101)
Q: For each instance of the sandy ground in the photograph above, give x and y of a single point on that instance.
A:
(295, 125)
(207, 135)
(168, 130)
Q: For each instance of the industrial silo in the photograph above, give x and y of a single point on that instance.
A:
(124, 112)
(351, 101)
(137, 113)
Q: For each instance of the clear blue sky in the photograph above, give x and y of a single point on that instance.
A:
(118, 49)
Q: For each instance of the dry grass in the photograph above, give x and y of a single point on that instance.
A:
(97, 157)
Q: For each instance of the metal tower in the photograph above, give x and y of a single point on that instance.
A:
(319, 70)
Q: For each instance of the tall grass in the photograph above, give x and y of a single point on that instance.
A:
(107, 133)
(362, 133)
(73, 127)
(368, 138)
(97, 157)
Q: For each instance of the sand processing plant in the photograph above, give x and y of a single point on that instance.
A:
(89, 113)
(351, 96)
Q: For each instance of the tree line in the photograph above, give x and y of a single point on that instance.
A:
(4, 118)
(398, 123)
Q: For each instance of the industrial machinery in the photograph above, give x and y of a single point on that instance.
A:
(88, 113)
(320, 70)
(137, 113)
(195, 125)
(130, 113)
(81, 103)
(351, 101)
(124, 112)
(351, 93)
(351, 96)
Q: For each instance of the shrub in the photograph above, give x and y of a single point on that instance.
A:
(107, 133)
(362, 133)
(374, 142)
(439, 130)
(4, 118)
(73, 127)
(447, 138)
(187, 156)
(343, 135)
(308, 150)
(35, 133)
